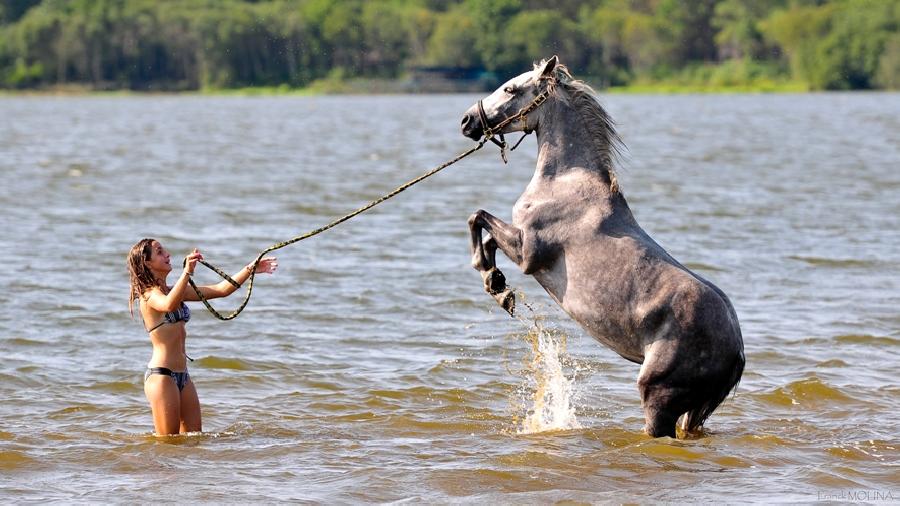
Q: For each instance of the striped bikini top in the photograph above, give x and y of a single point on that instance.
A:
(182, 314)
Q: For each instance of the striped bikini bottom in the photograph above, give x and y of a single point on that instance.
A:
(181, 378)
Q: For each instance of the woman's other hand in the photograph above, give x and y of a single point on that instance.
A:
(266, 265)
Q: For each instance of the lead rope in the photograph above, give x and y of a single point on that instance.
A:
(489, 134)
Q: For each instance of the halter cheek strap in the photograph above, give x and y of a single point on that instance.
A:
(490, 133)
(486, 126)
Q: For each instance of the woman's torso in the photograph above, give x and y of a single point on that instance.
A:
(167, 335)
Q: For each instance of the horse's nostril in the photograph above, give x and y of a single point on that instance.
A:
(470, 126)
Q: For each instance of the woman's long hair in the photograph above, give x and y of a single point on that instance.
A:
(141, 276)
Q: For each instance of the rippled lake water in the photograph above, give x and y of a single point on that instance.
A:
(372, 366)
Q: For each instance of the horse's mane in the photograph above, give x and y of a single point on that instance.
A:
(598, 124)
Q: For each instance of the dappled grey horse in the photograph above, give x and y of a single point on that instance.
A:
(574, 232)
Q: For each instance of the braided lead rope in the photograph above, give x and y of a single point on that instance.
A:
(489, 134)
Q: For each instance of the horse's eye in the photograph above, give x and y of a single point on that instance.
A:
(510, 90)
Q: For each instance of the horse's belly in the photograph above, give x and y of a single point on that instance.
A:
(599, 312)
(610, 334)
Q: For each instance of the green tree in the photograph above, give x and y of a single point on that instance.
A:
(848, 57)
(537, 34)
(32, 47)
(299, 44)
(12, 10)
(570, 9)
(491, 17)
(187, 44)
(604, 29)
(798, 31)
(386, 37)
(452, 42)
(888, 75)
(337, 24)
(690, 21)
(837, 45)
(738, 27)
(422, 22)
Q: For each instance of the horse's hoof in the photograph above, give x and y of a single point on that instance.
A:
(507, 300)
(494, 281)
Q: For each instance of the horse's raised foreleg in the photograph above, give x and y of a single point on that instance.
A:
(503, 236)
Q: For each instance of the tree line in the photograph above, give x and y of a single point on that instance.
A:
(195, 44)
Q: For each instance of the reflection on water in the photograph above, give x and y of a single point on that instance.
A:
(373, 367)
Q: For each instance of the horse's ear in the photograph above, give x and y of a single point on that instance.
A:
(549, 65)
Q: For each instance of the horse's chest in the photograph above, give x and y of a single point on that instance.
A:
(564, 200)
(544, 213)
(523, 212)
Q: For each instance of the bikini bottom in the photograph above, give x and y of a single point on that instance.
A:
(181, 378)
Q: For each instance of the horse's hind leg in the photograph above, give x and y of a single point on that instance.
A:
(660, 413)
(663, 396)
(502, 236)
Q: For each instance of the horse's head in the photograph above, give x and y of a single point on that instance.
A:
(497, 113)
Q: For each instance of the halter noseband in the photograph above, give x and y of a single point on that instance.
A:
(491, 133)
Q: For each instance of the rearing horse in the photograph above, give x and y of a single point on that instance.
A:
(574, 232)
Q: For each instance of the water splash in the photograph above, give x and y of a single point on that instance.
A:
(551, 392)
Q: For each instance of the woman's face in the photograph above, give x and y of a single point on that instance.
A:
(160, 260)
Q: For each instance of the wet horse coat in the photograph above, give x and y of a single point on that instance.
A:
(574, 232)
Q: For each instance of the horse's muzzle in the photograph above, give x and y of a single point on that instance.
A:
(471, 125)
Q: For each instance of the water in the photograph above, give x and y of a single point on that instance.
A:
(550, 390)
(372, 367)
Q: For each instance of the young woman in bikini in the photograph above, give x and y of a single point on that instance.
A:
(167, 384)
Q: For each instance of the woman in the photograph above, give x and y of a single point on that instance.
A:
(167, 384)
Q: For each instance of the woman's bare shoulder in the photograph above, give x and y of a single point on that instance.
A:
(153, 291)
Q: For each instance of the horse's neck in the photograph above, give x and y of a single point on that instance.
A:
(569, 161)
(564, 146)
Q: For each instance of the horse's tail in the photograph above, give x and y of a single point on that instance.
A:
(720, 387)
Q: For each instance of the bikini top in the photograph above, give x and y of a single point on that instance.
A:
(182, 314)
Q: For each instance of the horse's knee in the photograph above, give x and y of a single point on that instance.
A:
(479, 262)
(473, 219)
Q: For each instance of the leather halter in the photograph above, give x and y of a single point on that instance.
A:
(488, 131)
(492, 133)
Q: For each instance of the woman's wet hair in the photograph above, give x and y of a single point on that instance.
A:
(142, 277)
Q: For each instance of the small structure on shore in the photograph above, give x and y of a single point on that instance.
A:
(450, 80)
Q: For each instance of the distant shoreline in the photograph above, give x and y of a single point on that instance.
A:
(401, 87)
